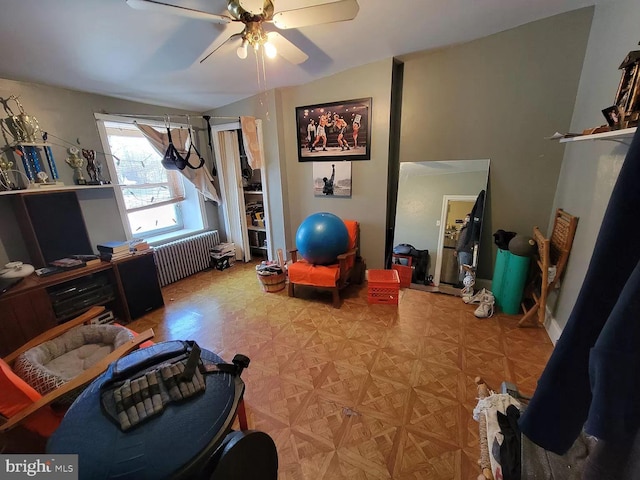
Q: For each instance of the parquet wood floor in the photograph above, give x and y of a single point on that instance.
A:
(360, 392)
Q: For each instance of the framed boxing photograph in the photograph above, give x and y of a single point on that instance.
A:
(331, 132)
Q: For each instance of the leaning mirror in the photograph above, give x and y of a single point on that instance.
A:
(434, 198)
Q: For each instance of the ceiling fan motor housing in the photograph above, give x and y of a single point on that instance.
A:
(254, 35)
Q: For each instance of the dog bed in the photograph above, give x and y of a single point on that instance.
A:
(52, 364)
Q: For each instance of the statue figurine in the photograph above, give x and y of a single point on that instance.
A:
(92, 168)
(75, 162)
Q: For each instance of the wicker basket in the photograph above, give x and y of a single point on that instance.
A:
(272, 282)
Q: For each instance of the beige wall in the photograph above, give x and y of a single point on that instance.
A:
(68, 116)
(291, 182)
(368, 203)
(497, 98)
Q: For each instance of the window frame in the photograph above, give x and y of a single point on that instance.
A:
(165, 233)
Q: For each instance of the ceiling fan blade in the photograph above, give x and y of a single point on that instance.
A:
(216, 48)
(155, 6)
(252, 6)
(318, 14)
(286, 49)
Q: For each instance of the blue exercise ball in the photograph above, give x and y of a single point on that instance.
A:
(321, 237)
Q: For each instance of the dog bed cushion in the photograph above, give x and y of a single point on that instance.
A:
(54, 363)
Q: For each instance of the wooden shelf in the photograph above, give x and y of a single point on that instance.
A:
(254, 192)
(55, 189)
(257, 229)
(614, 135)
(32, 281)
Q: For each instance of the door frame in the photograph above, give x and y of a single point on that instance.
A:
(443, 222)
(226, 183)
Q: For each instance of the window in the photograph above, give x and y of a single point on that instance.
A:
(154, 201)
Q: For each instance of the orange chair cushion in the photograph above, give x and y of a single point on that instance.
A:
(16, 395)
(302, 272)
(352, 228)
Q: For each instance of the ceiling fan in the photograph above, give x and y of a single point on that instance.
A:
(257, 18)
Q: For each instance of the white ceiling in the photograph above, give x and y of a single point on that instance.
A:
(106, 47)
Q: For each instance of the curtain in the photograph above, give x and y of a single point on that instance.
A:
(229, 163)
(250, 142)
(201, 178)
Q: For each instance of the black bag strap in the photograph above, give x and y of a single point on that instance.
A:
(193, 146)
(172, 159)
(207, 118)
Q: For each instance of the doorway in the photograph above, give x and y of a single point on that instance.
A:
(245, 206)
(454, 210)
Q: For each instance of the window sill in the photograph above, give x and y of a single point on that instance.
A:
(171, 236)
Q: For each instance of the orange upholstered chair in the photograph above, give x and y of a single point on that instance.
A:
(332, 277)
(23, 407)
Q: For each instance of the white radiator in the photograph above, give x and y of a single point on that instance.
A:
(184, 257)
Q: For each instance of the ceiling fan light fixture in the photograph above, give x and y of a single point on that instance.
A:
(242, 50)
(270, 50)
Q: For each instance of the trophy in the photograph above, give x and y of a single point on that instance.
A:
(23, 131)
(22, 128)
(5, 179)
(92, 168)
(75, 162)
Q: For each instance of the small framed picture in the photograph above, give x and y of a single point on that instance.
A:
(613, 116)
(332, 179)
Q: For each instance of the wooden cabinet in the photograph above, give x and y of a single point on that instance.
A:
(22, 317)
(129, 288)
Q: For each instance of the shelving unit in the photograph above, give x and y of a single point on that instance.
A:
(54, 189)
(257, 234)
(615, 135)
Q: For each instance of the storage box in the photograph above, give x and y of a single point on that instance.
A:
(383, 287)
(223, 249)
(405, 273)
(222, 262)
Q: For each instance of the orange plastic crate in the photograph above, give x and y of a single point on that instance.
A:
(404, 273)
(384, 287)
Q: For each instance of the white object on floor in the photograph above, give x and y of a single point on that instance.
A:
(477, 298)
(486, 307)
(489, 406)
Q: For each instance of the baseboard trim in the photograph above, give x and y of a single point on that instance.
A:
(552, 327)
